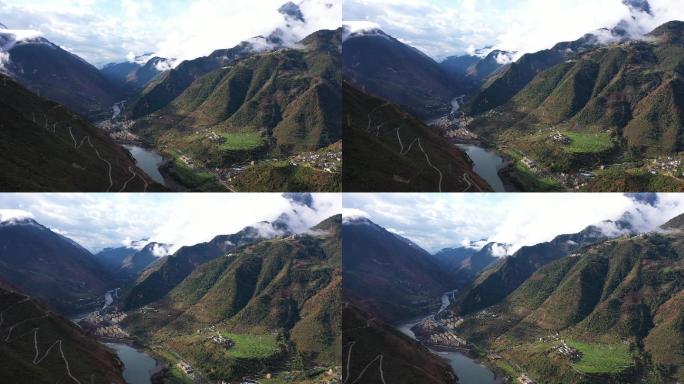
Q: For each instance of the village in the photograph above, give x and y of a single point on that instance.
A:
(105, 324)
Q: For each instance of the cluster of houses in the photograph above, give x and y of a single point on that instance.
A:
(668, 165)
(565, 350)
(486, 314)
(446, 339)
(113, 331)
(187, 161)
(105, 324)
(330, 162)
(576, 180)
(221, 340)
(560, 138)
(452, 322)
(185, 367)
(214, 137)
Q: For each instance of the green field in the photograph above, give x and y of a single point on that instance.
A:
(241, 141)
(193, 178)
(588, 142)
(602, 358)
(252, 346)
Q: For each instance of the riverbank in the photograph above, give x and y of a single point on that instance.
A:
(465, 361)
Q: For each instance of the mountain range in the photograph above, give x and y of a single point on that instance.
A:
(610, 306)
(48, 266)
(281, 292)
(134, 76)
(594, 306)
(265, 299)
(52, 72)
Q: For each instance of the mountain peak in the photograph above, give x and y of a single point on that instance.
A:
(291, 11)
(674, 223)
(352, 29)
(638, 6)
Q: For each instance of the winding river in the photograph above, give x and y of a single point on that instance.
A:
(468, 370)
(486, 164)
(147, 160)
(138, 366)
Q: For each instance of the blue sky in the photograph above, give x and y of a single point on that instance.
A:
(103, 31)
(99, 220)
(435, 221)
(442, 28)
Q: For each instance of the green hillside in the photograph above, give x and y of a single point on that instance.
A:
(612, 303)
(277, 300)
(587, 110)
(258, 106)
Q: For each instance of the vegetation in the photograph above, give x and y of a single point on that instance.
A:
(277, 301)
(256, 106)
(385, 155)
(38, 150)
(602, 358)
(252, 346)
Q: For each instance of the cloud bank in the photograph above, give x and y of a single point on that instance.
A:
(442, 28)
(436, 221)
(104, 31)
(97, 221)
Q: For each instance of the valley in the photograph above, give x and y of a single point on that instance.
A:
(261, 116)
(597, 114)
(584, 307)
(260, 305)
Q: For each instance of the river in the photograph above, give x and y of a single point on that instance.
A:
(138, 366)
(147, 160)
(486, 164)
(468, 370)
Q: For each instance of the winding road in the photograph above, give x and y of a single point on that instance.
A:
(37, 359)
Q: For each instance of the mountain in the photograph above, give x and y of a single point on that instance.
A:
(473, 70)
(464, 263)
(475, 263)
(385, 67)
(39, 346)
(279, 102)
(506, 275)
(387, 275)
(512, 78)
(450, 257)
(136, 75)
(50, 267)
(166, 273)
(404, 360)
(112, 258)
(457, 66)
(127, 262)
(282, 293)
(135, 263)
(386, 149)
(46, 147)
(606, 311)
(57, 74)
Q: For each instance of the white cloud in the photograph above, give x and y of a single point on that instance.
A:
(442, 28)
(436, 221)
(97, 221)
(108, 30)
(14, 214)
